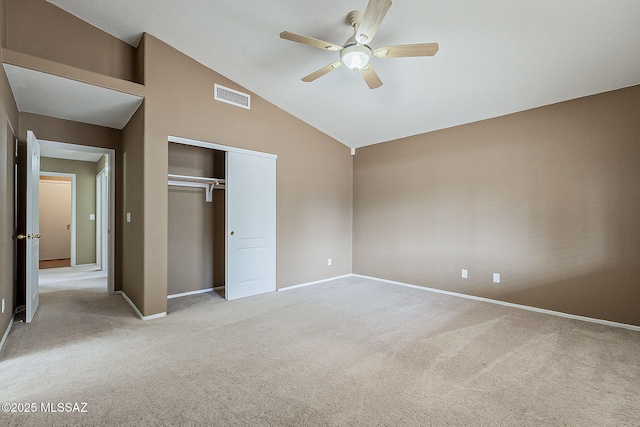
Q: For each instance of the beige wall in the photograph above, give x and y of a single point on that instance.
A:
(131, 253)
(219, 226)
(100, 164)
(58, 130)
(314, 172)
(41, 29)
(548, 198)
(8, 130)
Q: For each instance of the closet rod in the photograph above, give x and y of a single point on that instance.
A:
(208, 184)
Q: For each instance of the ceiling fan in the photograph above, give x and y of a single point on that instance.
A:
(356, 52)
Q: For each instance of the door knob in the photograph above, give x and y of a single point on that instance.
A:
(37, 236)
(21, 236)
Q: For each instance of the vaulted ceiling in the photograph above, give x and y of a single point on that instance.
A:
(496, 57)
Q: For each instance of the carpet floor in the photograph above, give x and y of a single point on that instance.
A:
(348, 352)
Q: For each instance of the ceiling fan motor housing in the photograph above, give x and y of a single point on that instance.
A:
(354, 17)
(355, 56)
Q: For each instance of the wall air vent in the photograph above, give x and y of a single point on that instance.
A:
(232, 97)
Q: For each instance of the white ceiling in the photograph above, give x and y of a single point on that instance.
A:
(496, 56)
(54, 96)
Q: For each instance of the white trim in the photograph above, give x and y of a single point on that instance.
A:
(6, 333)
(212, 146)
(288, 288)
(102, 218)
(86, 266)
(153, 316)
(184, 294)
(508, 304)
(73, 209)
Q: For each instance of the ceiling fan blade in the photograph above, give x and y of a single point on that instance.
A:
(322, 71)
(370, 77)
(406, 50)
(309, 41)
(371, 19)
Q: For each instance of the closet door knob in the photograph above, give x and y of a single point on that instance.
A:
(232, 233)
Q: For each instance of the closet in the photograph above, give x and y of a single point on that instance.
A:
(222, 220)
(196, 220)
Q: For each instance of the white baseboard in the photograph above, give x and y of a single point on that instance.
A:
(288, 288)
(6, 333)
(508, 304)
(153, 316)
(184, 294)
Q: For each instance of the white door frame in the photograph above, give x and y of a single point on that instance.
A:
(212, 146)
(227, 149)
(111, 161)
(102, 211)
(73, 209)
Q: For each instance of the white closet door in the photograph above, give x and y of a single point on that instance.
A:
(251, 225)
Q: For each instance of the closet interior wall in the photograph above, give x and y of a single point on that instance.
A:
(196, 229)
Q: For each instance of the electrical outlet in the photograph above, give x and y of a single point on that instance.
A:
(496, 277)
(464, 273)
(329, 261)
(2, 305)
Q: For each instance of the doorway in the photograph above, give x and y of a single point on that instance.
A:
(57, 219)
(36, 151)
(94, 218)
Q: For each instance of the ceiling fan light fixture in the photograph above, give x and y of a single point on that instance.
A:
(356, 56)
(356, 52)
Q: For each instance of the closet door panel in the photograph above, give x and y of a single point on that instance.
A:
(251, 225)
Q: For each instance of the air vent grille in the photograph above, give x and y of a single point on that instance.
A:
(233, 97)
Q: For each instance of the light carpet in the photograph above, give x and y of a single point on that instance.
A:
(349, 352)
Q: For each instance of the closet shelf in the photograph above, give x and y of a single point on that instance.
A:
(208, 184)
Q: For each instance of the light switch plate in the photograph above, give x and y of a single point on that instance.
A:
(496, 277)
(92, 217)
(128, 216)
(464, 273)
